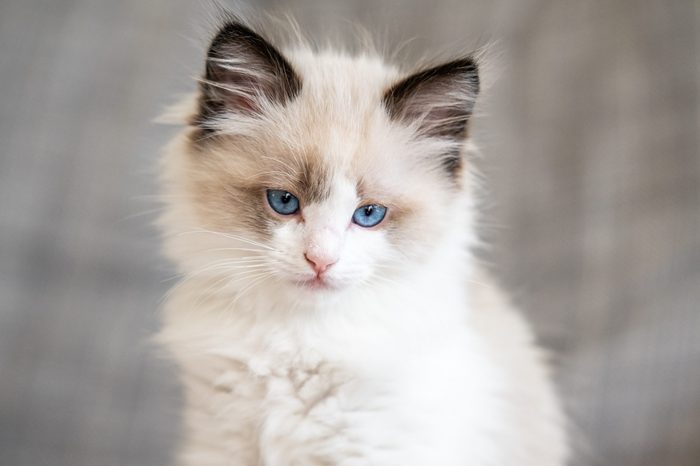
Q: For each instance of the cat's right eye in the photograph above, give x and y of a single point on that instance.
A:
(282, 202)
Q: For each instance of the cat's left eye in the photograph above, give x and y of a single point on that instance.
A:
(282, 202)
(369, 215)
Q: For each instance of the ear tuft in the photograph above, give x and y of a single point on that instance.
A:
(438, 100)
(244, 74)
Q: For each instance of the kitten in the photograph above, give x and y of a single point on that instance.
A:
(321, 210)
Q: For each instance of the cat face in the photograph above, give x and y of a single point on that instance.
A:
(321, 172)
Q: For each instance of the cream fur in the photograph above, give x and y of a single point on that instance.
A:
(415, 358)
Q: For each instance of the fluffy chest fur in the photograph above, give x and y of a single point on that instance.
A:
(357, 391)
(467, 387)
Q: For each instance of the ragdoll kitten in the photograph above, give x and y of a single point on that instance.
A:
(321, 210)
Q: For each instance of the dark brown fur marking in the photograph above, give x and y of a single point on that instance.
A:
(431, 84)
(235, 40)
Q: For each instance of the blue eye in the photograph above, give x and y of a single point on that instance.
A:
(282, 202)
(369, 215)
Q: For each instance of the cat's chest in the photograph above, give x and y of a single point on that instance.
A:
(362, 405)
(366, 376)
(269, 381)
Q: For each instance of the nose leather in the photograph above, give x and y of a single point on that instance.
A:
(322, 250)
(319, 264)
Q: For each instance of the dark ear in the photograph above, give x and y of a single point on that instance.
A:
(243, 73)
(438, 100)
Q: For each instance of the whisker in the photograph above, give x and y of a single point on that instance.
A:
(255, 281)
(225, 281)
(217, 265)
(227, 235)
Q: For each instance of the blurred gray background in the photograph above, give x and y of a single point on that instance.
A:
(591, 142)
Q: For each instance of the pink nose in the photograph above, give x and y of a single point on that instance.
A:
(320, 263)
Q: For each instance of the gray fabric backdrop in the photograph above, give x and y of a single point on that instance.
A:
(590, 140)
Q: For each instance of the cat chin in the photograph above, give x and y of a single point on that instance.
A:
(326, 284)
(295, 290)
(318, 284)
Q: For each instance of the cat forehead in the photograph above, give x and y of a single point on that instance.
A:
(319, 174)
(338, 76)
(339, 93)
(337, 127)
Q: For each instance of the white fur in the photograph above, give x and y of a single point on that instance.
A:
(414, 359)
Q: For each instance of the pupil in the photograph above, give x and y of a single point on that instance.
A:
(285, 198)
(368, 210)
